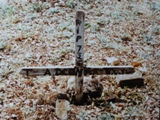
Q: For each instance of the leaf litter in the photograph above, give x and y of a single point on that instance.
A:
(39, 33)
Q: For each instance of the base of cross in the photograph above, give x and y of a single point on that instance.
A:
(92, 89)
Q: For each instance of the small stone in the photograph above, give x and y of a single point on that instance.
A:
(62, 107)
(130, 81)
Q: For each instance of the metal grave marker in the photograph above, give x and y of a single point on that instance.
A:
(79, 70)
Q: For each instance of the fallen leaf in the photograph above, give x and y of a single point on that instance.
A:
(136, 64)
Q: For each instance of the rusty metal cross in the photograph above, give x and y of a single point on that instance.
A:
(79, 70)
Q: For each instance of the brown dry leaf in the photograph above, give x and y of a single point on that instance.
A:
(29, 82)
(136, 64)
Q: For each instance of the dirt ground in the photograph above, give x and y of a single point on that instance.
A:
(38, 33)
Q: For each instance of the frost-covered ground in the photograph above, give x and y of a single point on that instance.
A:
(36, 34)
(3, 1)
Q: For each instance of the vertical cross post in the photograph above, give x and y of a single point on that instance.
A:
(79, 52)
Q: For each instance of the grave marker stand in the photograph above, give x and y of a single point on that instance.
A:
(79, 70)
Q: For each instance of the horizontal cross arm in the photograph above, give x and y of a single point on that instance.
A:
(108, 70)
(69, 70)
(52, 71)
